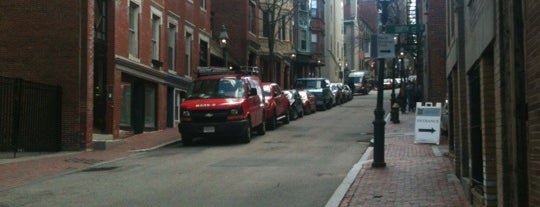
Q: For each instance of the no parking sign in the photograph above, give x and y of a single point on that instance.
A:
(427, 128)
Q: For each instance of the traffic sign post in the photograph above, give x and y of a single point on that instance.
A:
(428, 123)
(408, 28)
(384, 46)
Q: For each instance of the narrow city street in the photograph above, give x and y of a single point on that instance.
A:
(298, 164)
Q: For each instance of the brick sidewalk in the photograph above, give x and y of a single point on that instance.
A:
(21, 171)
(415, 174)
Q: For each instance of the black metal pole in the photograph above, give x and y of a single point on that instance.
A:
(225, 57)
(378, 124)
(394, 106)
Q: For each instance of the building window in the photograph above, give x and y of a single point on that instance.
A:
(188, 48)
(303, 40)
(314, 40)
(252, 18)
(134, 10)
(203, 4)
(314, 11)
(100, 22)
(156, 22)
(203, 53)
(125, 108)
(150, 107)
(177, 102)
(171, 47)
(283, 30)
(267, 24)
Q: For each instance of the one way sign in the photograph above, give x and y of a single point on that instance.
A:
(383, 46)
(428, 123)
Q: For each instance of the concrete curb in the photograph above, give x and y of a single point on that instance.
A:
(155, 147)
(343, 188)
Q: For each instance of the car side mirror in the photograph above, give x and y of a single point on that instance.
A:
(252, 92)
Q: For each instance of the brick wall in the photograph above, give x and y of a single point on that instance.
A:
(367, 10)
(42, 45)
(532, 28)
(234, 14)
(436, 53)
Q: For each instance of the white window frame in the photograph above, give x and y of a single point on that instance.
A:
(188, 48)
(156, 21)
(133, 36)
(177, 101)
(172, 41)
(202, 4)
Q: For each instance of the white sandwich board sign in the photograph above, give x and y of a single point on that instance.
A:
(427, 128)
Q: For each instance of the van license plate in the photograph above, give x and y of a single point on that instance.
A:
(209, 129)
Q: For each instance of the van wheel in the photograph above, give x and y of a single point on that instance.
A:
(261, 129)
(246, 137)
(287, 118)
(294, 114)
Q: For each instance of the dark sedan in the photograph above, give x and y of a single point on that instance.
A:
(296, 109)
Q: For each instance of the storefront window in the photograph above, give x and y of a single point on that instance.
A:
(177, 102)
(150, 106)
(125, 111)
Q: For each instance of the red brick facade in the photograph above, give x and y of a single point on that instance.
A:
(491, 65)
(54, 42)
(31, 50)
(436, 52)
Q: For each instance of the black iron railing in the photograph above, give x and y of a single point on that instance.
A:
(30, 116)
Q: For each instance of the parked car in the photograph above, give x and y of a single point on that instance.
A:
(309, 101)
(277, 105)
(320, 87)
(220, 103)
(337, 90)
(296, 109)
(347, 93)
(387, 84)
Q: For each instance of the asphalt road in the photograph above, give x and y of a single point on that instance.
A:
(298, 164)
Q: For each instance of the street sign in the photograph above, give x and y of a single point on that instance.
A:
(383, 46)
(409, 28)
(427, 128)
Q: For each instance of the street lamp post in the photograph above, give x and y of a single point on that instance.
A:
(223, 43)
(378, 123)
(394, 113)
(293, 71)
(319, 67)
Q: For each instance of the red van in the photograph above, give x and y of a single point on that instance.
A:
(223, 103)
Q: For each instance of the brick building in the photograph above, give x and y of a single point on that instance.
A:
(492, 73)
(31, 50)
(434, 83)
(122, 65)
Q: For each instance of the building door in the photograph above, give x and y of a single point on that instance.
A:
(475, 136)
(170, 107)
(101, 92)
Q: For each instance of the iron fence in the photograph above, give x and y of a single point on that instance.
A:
(30, 116)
